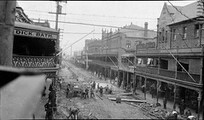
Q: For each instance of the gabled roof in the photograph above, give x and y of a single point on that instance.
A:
(171, 9)
(190, 10)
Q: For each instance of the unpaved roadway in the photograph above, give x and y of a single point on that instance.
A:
(99, 107)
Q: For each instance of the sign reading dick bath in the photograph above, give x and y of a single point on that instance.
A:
(38, 34)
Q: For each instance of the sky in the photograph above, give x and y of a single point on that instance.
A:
(114, 13)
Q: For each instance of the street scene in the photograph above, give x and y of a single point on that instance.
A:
(101, 60)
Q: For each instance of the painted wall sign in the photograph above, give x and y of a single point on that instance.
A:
(23, 32)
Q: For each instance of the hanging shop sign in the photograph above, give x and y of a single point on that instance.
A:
(38, 34)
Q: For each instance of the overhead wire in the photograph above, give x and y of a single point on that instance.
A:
(91, 24)
(179, 33)
(185, 43)
(96, 15)
(180, 11)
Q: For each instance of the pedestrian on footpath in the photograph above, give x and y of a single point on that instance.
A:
(164, 102)
(182, 107)
(188, 113)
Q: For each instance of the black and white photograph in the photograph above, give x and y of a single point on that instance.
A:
(63, 59)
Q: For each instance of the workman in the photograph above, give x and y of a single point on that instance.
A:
(86, 93)
(92, 93)
(101, 91)
(73, 113)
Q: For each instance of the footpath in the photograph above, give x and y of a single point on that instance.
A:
(149, 99)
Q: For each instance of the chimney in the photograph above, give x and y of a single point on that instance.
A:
(146, 29)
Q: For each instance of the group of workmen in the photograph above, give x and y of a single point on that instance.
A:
(85, 91)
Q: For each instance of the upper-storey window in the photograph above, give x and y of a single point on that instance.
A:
(196, 31)
(163, 35)
(173, 34)
(166, 36)
(128, 44)
(184, 32)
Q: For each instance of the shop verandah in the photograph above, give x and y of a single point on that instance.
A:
(146, 86)
(159, 89)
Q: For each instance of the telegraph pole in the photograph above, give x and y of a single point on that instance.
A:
(58, 12)
(7, 18)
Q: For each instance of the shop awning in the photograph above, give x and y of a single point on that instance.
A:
(34, 27)
(127, 55)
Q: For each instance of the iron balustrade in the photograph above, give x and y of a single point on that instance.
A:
(34, 61)
(186, 77)
(168, 73)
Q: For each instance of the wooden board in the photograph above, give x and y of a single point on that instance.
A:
(129, 100)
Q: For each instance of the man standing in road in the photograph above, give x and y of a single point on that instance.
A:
(101, 91)
(94, 85)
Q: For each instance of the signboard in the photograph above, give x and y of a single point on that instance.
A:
(38, 34)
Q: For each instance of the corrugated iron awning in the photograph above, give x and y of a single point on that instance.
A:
(34, 27)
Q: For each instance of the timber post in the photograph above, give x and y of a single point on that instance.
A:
(7, 19)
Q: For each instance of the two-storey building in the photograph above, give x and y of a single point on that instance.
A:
(34, 45)
(177, 61)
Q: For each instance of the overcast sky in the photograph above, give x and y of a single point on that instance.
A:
(115, 13)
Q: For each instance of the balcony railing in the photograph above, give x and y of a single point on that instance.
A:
(169, 73)
(34, 61)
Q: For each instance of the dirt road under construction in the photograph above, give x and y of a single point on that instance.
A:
(97, 107)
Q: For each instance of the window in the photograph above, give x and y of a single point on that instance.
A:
(162, 35)
(139, 62)
(128, 44)
(173, 34)
(184, 32)
(166, 37)
(196, 31)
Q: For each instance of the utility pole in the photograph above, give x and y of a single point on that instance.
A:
(58, 12)
(7, 18)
